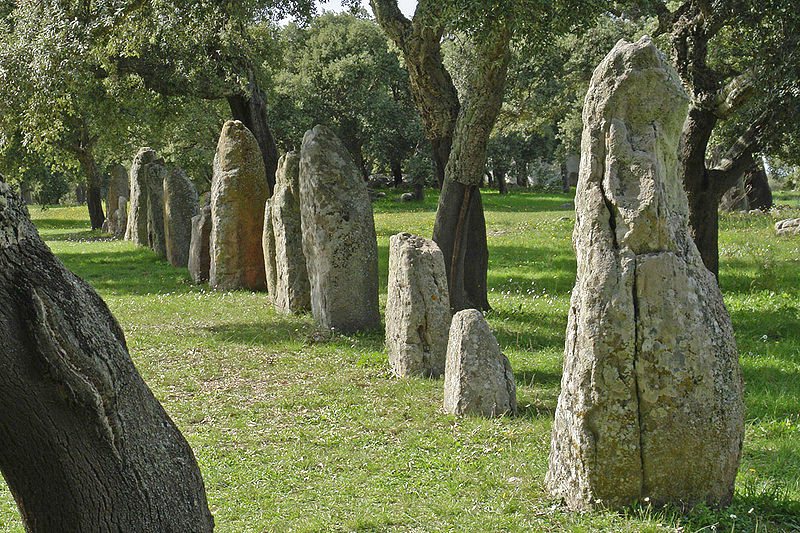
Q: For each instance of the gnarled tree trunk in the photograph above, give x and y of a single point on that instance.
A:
(460, 227)
(84, 445)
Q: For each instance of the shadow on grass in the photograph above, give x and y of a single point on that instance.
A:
(133, 272)
(60, 223)
(265, 334)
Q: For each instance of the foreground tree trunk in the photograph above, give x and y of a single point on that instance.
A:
(84, 445)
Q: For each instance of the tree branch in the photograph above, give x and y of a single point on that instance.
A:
(739, 157)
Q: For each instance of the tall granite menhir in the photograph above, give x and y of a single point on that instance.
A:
(180, 205)
(199, 254)
(287, 276)
(339, 239)
(651, 395)
(154, 175)
(117, 187)
(238, 193)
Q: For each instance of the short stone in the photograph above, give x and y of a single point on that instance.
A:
(417, 307)
(199, 249)
(478, 379)
(180, 205)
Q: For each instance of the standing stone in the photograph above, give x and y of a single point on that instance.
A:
(121, 217)
(199, 250)
(651, 395)
(136, 230)
(268, 246)
(477, 377)
(155, 173)
(287, 275)
(180, 205)
(238, 193)
(339, 239)
(117, 187)
(417, 307)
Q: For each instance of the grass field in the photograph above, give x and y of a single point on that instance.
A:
(298, 432)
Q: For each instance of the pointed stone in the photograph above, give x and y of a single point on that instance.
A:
(651, 395)
(199, 250)
(136, 230)
(238, 193)
(477, 378)
(287, 275)
(180, 205)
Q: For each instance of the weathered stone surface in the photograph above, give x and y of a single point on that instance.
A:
(477, 378)
(117, 187)
(651, 395)
(136, 230)
(339, 239)
(180, 205)
(238, 193)
(199, 250)
(417, 307)
(287, 274)
(121, 217)
(154, 174)
(789, 226)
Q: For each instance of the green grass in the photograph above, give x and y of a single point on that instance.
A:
(297, 432)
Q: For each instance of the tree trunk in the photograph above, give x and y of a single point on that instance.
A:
(460, 232)
(251, 110)
(500, 176)
(94, 184)
(441, 153)
(703, 199)
(435, 96)
(397, 172)
(522, 174)
(84, 445)
(759, 194)
(460, 227)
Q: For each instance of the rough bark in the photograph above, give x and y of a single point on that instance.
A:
(713, 98)
(397, 172)
(94, 183)
(460, 227)
(432, 87)
(84, 444)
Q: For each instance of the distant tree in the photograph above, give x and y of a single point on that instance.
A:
(458, 125)
(339, 71)
(738, 61)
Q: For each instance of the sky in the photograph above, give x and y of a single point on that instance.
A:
(406, 6)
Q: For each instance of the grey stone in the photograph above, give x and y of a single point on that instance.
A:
(789, 226)
(154, 174)
(180, 205)
(417, 307)
(287, 275)
(117, 187)
(238, 193)
(121, 217)
(339, 239)
(199, 249)
(477, 378)
(136, 230)
(651, 394)
(407, 197)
